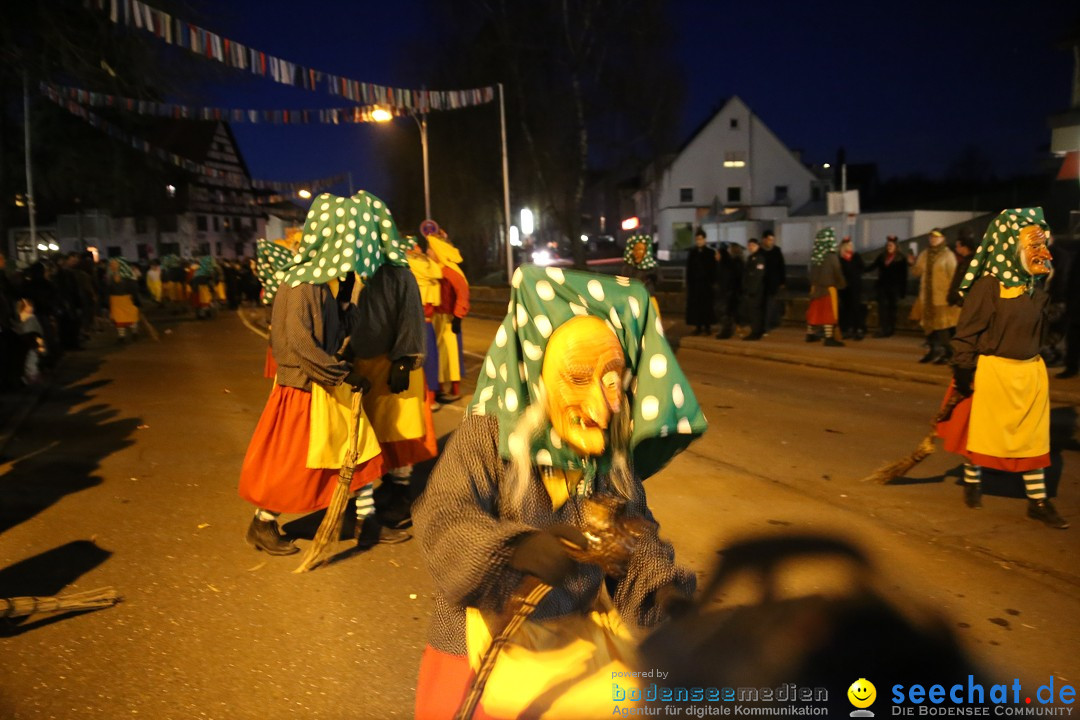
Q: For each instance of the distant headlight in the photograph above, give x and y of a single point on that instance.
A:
(541, 257)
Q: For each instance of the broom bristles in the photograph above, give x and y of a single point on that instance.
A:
(328, 531)
(72, 602)
(895, 469)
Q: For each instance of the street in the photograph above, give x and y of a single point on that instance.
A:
(126, 476)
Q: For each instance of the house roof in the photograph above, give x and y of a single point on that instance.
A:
(708, 121)
(191, 139)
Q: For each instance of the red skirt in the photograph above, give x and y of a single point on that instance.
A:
(444, 680)
(822, 310)
(954, 434)
(275, 475)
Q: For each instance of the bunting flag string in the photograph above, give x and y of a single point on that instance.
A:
(232, 179)
(202, 42)
(331, 116)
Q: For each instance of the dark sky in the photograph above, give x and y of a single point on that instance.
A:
(906, 84)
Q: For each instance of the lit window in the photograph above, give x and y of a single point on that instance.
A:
(735, 159)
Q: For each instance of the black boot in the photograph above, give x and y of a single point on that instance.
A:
(833, 342)
(371, 532)
(265, 536)
(1044, 512)
(393, 504)
(973, 494)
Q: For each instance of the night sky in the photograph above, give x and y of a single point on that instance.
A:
(906, 85)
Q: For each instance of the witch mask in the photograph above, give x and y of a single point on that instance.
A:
(582, 373)
(1034, 255)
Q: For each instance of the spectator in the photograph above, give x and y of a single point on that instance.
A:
(965, 248)
(775, 280)
(32, 338)
(891, 285)
(935, 266)
(852, 310)
(700, 276)
(729, 287)
(753, 289)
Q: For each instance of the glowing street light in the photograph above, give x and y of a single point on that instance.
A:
(305, 193)
(381, 115)
(527, 225)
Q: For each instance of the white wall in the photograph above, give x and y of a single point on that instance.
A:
(772, 164)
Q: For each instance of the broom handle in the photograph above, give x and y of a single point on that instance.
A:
(346, 472)
(947, 409)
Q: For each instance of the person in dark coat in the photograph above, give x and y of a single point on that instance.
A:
(852, 311)
(892, 270)
(775, 280)
(753, 289)
(700, 276)
(729, 270)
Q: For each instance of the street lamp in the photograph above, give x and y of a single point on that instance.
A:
(305, 193)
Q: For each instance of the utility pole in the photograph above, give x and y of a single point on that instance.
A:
(506, 190)
(29, 170)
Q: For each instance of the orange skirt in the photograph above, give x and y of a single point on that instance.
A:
(444, 680)
(954, 435)
(822, 310)
(270, 366)
(275, 475)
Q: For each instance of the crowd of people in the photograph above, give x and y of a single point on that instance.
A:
(59, 302)
(738, 290)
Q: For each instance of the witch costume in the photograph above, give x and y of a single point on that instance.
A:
(512, 478)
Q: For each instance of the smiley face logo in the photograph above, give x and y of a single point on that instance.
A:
(862, 693)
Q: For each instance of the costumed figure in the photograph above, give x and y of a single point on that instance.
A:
(153, 281)
(272, 260)
(123, 298)
(204, 282)
(579, 399)
(826, 279)
(428, 275)
(935, 267)
(639, 261)
(389, 343)
(446, 322)
(171, 278)
(1004, 422)
(302, 437)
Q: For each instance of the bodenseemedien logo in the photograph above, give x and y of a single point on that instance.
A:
(862, 694)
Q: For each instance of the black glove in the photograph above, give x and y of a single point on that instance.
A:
(359, 383)
(455, 325)
(963, 378)
(543, 555)
(399, 375)
(672, 601)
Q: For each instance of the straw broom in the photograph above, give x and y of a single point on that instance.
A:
(330, 527)
(893, 470)
(149, 328)
(74, 602)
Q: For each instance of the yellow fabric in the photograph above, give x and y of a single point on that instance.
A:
(558, 668)
(154, 286)
(835, 298)
(446, 254)
(558, 484)
(1011, 292)
(447, 342)
(427, 273)
(122, 310)
(328, 441)
(1010, 410)
(219, 292)
(394, 417)
(205, 298)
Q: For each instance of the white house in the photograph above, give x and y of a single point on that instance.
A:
(732, 164)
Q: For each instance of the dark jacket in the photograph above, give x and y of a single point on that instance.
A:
(388, 318)
(755, 274)
(892, 275)
(775, 271)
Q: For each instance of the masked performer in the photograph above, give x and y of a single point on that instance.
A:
(580, 395)
(123, 298)
(302, 438)
(272, 259)
(204, 283)
(446, 322)
(826, 279)
(639, 262)
(428, 276)
(1006, 423)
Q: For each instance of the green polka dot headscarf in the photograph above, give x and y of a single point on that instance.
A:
(824, 243)
(648, 262)
(271, 260)
(170, 262)
(123, 268)
(999, 251)
(666, 416)
(343, 235)
(208, 267)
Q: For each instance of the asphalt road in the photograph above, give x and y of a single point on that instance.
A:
(127, 477)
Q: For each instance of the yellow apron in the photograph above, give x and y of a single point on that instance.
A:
(447, 342)
(394, 417)
(1010, 409)
(122, 310)
(328, 439)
